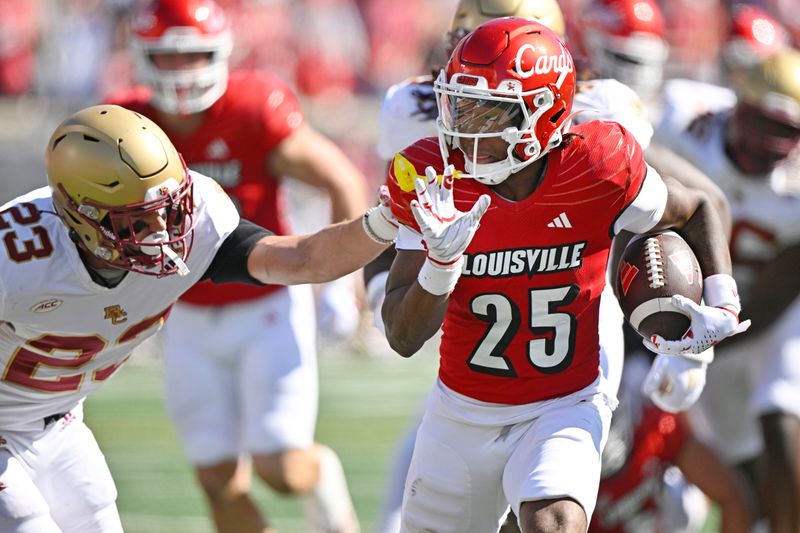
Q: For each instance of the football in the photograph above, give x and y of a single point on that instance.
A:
(653, 268)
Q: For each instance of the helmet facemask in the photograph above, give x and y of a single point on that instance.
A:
(759, 140)
(118, 229)
(470, 112)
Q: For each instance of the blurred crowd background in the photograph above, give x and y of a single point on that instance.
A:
(339, 55)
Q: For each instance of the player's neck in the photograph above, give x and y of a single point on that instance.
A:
(100, 272)
(181, 124)
(521, 184)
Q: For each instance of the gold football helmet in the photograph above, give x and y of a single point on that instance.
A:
(110, 170)
(472, 13)
(774, 84)
(765, 126)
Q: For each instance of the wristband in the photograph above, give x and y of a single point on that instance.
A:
(439, 279)
(719, 290)
(377, 227)
(706, 357)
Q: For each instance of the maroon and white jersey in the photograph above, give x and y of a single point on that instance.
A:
(62, 334)
(522, 322)
(232, 145)
(765, 209)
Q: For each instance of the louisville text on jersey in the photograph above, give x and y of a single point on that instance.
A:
(530, 261)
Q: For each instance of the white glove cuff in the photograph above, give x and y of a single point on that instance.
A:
(439, 279)
(378, 226)
(706, 357)
(719, 290)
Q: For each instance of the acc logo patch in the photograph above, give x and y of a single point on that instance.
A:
(45, 306)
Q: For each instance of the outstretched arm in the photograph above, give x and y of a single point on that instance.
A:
(327, 254)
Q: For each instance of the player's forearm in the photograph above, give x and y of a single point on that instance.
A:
(735, 518)
(705, 233)
(691, 212)
(412, 316)
(669, 163)
(328, 254)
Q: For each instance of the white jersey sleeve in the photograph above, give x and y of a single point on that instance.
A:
(647, 208)
(608, 99)
(406, 116)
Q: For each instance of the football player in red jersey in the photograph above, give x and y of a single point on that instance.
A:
(241, 369)
(520, 411)
(643, 443)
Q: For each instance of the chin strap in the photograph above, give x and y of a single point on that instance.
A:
(157, 238)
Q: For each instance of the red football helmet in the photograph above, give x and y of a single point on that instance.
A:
(624, 40)
(510, 79)
(182, 27)
(753, 35)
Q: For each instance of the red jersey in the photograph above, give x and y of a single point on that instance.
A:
(232, 145)
(632, 493)
(522, 323)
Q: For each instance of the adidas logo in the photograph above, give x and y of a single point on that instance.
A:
(561, 221)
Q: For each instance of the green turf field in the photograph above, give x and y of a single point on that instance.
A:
(364, 405)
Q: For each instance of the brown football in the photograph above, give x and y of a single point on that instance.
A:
(653, 268)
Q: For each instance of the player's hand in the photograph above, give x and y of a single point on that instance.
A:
(447, 231)
(709, 326)
(674, 383)
(380, 223)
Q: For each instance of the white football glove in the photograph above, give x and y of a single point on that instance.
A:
(674, 383)
(379, 222)
(709, 326)
(446, 230)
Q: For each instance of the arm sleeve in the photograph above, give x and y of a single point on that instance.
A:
(647, 208)
(230, 262)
